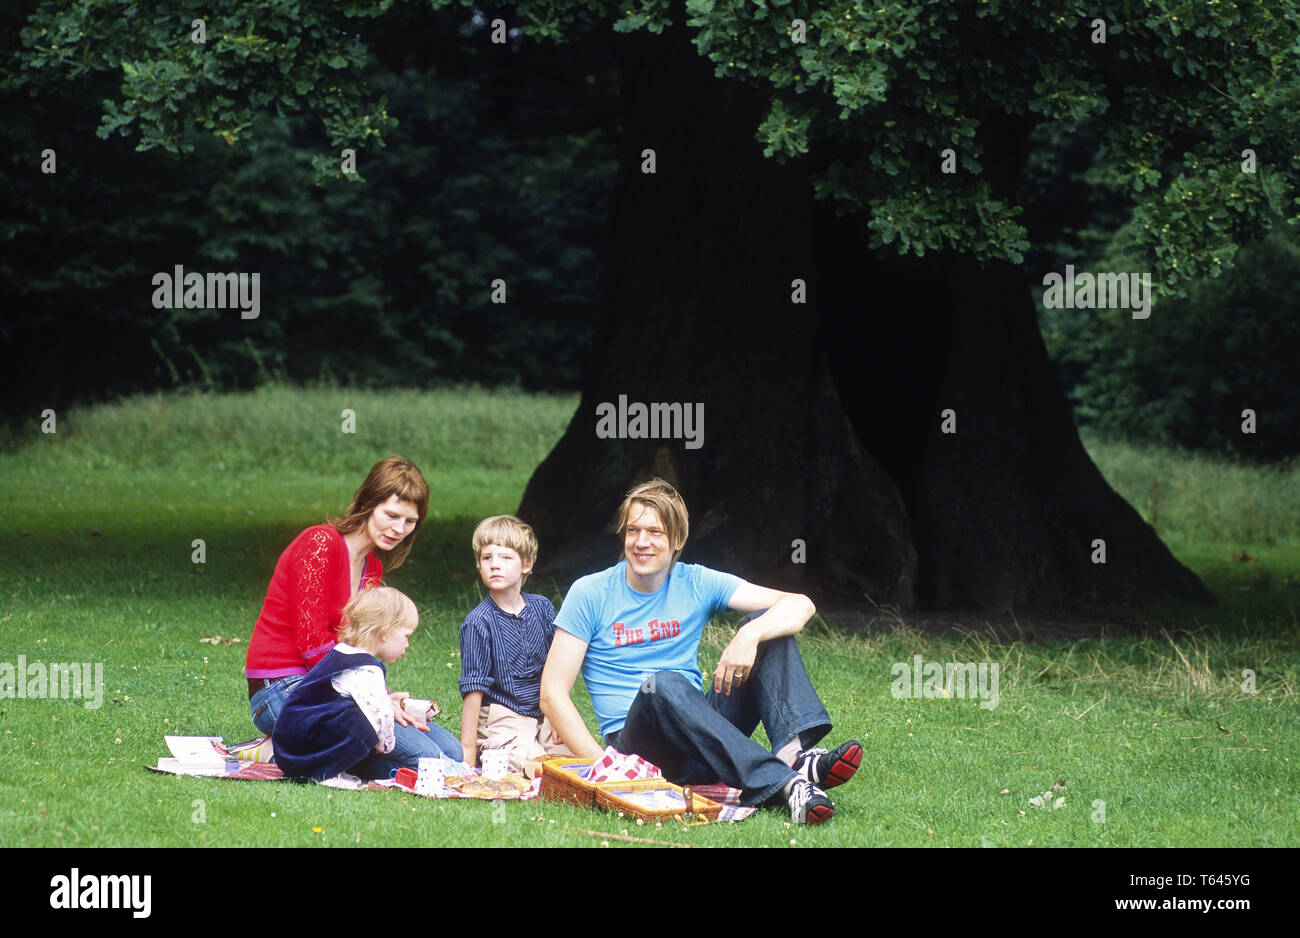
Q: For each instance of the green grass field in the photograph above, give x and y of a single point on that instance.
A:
(1161, 738)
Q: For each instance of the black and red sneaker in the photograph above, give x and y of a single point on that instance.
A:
(808, 803)
(828, 769)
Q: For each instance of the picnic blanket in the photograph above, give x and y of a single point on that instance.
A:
(251, 761)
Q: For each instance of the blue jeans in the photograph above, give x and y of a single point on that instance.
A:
(267, 703)
(409, 747)
(409, 744)
(697, 739)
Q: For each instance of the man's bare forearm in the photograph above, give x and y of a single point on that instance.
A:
(787, 616)
(568, 723)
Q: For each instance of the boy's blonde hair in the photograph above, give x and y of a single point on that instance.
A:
(374, 614)
(664, 499)
(508, 531)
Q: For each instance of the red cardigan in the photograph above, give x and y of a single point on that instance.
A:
(304, 604)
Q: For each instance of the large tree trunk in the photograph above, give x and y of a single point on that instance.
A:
(1010, 509)
(1006, 511)
(801, 400)
(696, 292)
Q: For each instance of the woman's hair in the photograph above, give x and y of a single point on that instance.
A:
(663, 498)
(508, 531)
(391, 476)
(374, 614)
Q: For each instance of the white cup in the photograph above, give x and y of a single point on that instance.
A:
(430, 778)
(415, 707)
(496, 763)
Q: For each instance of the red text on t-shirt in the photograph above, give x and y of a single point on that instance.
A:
(669, 628)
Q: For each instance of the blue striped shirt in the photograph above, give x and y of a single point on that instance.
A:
(503, 655)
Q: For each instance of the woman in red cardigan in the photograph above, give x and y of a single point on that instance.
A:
(315, 577)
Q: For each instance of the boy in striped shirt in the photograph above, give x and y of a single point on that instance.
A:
(503, 646)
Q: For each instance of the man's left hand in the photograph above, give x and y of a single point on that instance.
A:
(736, 663)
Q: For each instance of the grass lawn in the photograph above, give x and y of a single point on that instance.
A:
(1160, 737)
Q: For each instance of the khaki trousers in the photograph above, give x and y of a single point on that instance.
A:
(526, 738)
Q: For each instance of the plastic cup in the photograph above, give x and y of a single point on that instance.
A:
(496, 763)
(432, 774)
(415, 707)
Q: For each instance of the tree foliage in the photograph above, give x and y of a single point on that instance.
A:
(1227, 347)
(1171, 97)
(882, 87)
(1154, 121)
(378, 278)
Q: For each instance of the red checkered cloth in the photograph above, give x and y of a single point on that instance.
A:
(723, 794)
(616, 766)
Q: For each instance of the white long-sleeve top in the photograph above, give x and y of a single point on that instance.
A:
(365, 685)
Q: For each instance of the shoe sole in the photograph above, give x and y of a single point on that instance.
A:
(844, 768)
(818, 813)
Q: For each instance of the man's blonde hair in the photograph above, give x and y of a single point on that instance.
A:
(508, 531)
(664, 499)
(374, 614)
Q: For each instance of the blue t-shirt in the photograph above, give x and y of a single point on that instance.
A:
(631, 634)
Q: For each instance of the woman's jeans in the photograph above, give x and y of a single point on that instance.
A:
(409, 744)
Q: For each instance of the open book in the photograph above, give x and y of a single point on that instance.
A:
(198, 755)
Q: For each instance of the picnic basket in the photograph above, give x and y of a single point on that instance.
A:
(653, 799)
(565, 781)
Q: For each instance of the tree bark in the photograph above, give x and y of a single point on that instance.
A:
(822, 419)
(697, 302)
(1006, 510)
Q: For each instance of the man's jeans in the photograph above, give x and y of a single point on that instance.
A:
(698, 739)
(409, 744)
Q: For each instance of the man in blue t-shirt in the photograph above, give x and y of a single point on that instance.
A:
(634, 633)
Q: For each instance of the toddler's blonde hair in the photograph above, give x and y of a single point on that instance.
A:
(374, 614)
